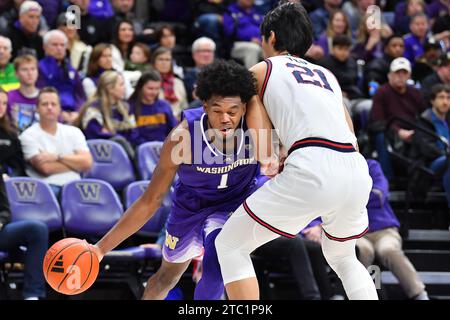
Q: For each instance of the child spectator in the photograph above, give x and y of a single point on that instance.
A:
(139, 58)
(22, 102)
(344, 68)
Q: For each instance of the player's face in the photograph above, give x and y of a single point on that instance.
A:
(224, 114)
(441, 102)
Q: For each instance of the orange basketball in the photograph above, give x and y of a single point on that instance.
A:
(70, 267)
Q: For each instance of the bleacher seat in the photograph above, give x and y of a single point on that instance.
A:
(90, 207)
(156, 223)
(111, 163)
(147, 157)
(32, 199)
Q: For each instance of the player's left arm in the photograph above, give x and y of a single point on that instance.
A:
(350, 124)
(258, 120)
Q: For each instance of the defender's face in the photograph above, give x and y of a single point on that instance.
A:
(224, 114)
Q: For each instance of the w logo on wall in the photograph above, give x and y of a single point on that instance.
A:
(25, 190)
(89, 191)
(102, 152)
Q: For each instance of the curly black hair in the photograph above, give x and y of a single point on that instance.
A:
(225, 79)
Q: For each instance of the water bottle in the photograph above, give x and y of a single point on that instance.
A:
(373, 87)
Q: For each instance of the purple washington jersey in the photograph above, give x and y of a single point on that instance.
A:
(208, 190)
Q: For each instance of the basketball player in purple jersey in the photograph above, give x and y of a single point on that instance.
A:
(214, 179)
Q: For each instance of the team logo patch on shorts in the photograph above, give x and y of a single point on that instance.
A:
(171, 241)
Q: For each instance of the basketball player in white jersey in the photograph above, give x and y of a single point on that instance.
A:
(323, 174)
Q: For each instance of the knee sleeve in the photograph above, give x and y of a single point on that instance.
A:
(341, 257)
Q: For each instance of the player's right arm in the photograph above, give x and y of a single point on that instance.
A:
(175, 150)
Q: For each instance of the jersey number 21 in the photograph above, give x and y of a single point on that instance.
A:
(305, 75)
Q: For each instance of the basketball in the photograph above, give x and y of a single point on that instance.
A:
(70, 267)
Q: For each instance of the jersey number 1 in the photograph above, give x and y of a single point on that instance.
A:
(223, 181)
(306, 76)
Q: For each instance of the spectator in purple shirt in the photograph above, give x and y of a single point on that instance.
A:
(241, 23)
(55, 70)
(22, 102)
(415, 40)
(383, 241)
(154, 117)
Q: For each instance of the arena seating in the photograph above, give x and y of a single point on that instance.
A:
(111, 163)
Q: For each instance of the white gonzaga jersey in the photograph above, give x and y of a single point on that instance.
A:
(304, 100)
